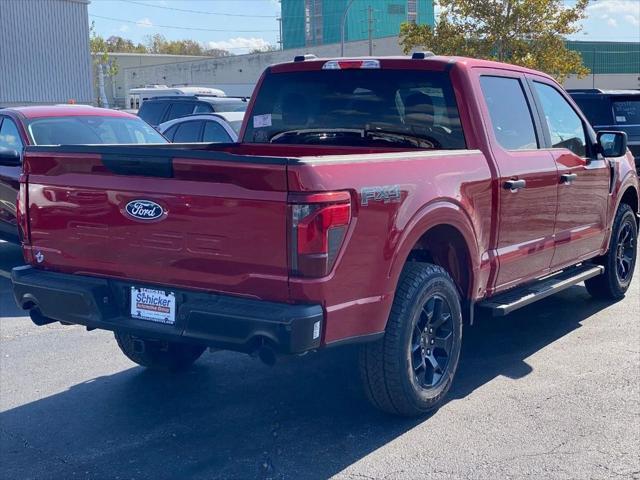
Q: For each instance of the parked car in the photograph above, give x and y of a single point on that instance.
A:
(209, 128)
(54, 125)
(613, 110)
(372, 201)
(159, 110)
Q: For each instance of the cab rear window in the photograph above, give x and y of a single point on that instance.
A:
(383, 107)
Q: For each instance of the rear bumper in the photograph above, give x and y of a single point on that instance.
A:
(220, 321)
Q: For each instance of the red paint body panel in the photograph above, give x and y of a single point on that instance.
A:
(226, 221)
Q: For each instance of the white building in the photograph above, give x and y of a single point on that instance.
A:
(44, 52)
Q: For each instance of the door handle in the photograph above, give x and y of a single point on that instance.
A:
(514, 185)
(568, 178)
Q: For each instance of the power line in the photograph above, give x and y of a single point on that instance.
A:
(200, 12)
(183, 28)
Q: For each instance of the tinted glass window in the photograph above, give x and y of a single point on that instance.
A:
(597, 109)
(627, 111)
(387, 108)
(214, 132)
(565, 126)
(230, 106)
(152, 112)
(510, 113)
(171, 132)
(188, 132)
(202, 107)
(9, 135)
(180, 109)
(92, 130)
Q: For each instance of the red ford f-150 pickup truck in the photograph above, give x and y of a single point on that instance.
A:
(371, 200)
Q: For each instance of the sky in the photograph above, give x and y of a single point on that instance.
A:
(242, 25)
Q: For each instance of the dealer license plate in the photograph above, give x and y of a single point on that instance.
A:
(153, 305)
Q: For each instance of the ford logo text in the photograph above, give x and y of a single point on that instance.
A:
(144, 210)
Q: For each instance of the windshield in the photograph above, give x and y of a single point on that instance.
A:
(236, 124)
(92, 130)
(627, 110)
(230, 106)
(357, 107)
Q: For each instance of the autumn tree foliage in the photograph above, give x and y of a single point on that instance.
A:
(530, 33)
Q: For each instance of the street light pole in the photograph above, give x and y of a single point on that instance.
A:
(344, 21)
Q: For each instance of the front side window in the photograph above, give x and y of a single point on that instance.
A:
(510, 113)
(9, 135)
(565, 126)
(357, 107)
(83, 130)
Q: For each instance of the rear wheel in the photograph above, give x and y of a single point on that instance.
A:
(410, 370)
(158, 355)
(620, 260)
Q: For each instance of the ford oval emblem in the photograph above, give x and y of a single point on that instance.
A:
(144, 210)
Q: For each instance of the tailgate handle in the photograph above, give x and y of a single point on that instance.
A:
(515, 185)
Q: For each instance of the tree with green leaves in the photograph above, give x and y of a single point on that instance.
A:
(530, 33)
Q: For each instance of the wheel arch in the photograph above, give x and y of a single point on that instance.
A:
(441, 233)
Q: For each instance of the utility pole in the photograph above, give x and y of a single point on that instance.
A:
(343, 24)
(370, 29)
(280, 42)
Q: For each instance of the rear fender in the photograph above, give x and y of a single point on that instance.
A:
(442, 212)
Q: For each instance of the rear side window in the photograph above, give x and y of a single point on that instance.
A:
(202, 107)
(152, 112)
(510, 113)
(180, 109)
(188, 132)
(215, 133)
(626, 111)
(171, 132)
(597, 109)
(357, 107)
(565, 126)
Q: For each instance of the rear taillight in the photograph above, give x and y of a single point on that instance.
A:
(22, 218)
(319, 224)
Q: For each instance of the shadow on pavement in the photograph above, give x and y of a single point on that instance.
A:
(232, 417)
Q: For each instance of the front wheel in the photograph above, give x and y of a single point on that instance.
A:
(620, 261)
(410, 370)
(159, 355)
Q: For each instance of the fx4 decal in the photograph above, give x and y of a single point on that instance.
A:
(382, 193)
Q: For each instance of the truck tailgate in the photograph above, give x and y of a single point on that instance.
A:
(193, 219)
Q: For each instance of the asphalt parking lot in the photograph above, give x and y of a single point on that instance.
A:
(552, 391)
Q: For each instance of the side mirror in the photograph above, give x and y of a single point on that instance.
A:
(612, 144)
(9, 157)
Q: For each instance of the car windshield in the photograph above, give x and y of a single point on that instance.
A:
(380, 107)
(83, 130)
(230, 106)
(235, 124)
(627, 110)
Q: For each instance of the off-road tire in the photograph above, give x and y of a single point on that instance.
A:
(159, 355)
(609, 285)
(386, 366)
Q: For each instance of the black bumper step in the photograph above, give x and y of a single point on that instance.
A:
(505, 303)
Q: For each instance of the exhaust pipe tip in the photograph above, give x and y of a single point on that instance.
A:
(267, 355)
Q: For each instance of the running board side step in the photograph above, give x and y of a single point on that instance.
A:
(505, 303)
